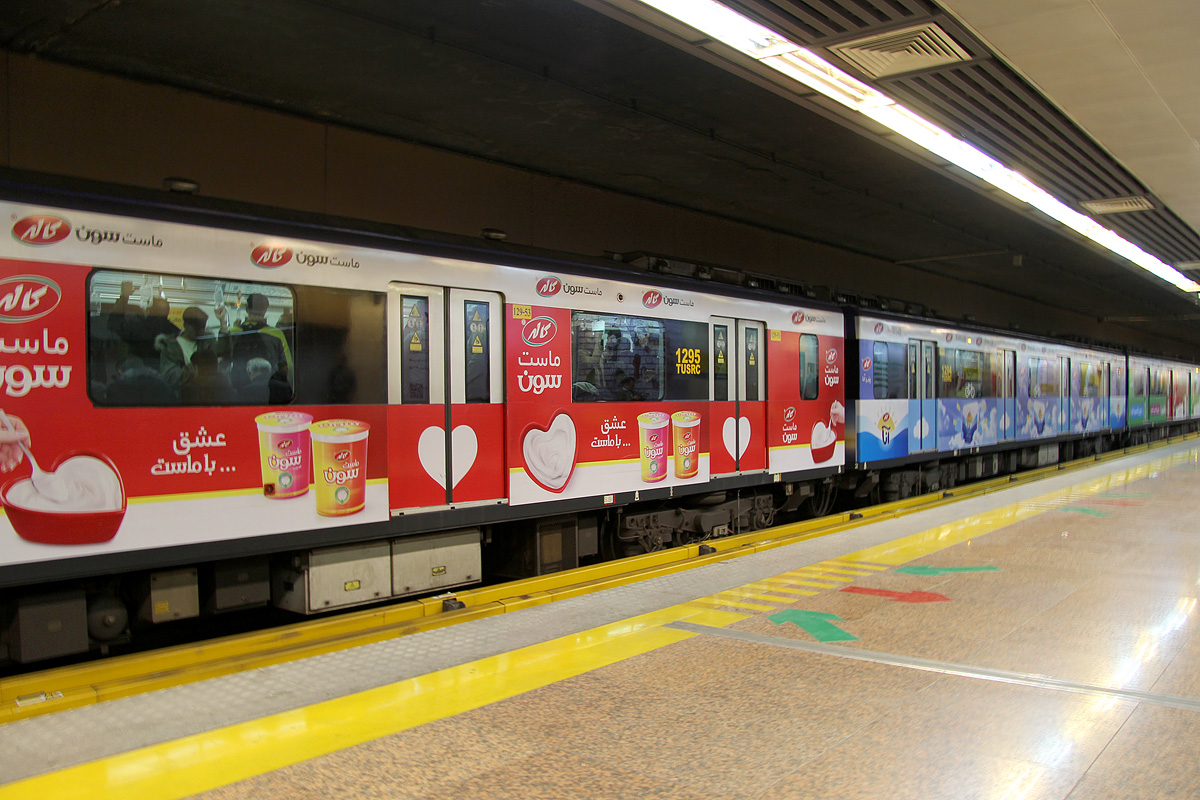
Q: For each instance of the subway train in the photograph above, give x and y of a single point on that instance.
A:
(202, 413)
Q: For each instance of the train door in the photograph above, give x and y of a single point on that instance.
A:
(476, 387)
(1008, 395)
(1064, 394)
(751, 396)
(445, 394)
(922, 373)
(737, 428)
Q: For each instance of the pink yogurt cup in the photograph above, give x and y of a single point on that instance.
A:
(285, 449)
(654, 439)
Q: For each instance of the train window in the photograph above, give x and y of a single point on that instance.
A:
(414, 350)
(1116, 381)
(890, 366)
(721, 362)
(1137, 382)
(477, 355)
(618, 357)
(1090, 380)
(967, 374)
(1043, 378)
(752, 362)
(808, 367)
(1160, 379)
(170, 340)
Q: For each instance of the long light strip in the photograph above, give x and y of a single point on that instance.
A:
(774, 50)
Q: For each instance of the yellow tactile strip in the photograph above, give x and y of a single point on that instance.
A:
(204, 761)
(69, 687)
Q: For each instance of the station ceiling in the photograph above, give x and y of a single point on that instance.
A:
(583, 90)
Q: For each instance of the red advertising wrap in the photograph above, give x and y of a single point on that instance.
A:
(112, 471)
(806, 416)
(560, 448)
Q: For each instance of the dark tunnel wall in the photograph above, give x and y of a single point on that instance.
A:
(69, 122)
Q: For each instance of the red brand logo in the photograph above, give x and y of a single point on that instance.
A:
(830, 356)
(539, 331)
(789, 414)
(879, 327)
(949, 337)
(27, 297)
(866, 364)
(341, 455)
(270, 256)
(651, 299)
(548, 286)
(284, 444)
(41, 229)
(797, 317)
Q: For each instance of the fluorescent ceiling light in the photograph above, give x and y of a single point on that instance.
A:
(723, 24)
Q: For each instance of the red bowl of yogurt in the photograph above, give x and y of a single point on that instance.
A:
(824, 442)
(91, 513)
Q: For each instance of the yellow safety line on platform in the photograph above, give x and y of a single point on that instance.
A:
(84, 684)
(205, 761)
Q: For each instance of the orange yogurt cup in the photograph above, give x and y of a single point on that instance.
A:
(340, 465)
(685, 428)
(286, 453)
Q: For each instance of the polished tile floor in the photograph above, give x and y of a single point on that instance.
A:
(1063, 663)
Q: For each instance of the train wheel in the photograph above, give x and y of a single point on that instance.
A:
(821, 502)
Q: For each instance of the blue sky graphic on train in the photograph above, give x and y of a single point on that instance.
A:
(966, 423)
(882, 429)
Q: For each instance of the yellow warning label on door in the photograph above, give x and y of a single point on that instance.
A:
(477, 318)
(415, 342)
(477, 345)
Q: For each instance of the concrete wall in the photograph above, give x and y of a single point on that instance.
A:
(65, 121)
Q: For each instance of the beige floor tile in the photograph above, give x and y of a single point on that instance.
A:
(884, 762)
(406, 765)
(1055, 729)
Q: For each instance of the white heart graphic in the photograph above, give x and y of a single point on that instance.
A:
(431, 450)
(550, 454)
(736, 435)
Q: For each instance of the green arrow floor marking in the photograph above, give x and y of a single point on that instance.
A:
(815, 623)
(1090, 511)
(918, 569)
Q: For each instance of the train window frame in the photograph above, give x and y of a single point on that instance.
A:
(294, 379)
(809, 345)
(892, 352)
(1035, 366)
(610, 367)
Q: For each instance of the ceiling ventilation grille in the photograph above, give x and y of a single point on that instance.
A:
(1117, 205)
(907, 50)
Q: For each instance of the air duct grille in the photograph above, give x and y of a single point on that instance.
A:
(907, 50)
(1117, 205)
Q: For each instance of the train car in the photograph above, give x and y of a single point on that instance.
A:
(223, 418)
(1161, 392)
(938, 403)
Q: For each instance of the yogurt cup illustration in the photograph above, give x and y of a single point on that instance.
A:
(824, 441)
(652, 441)
(685, 435)
(91, 512)
(285, 450)
(550, 452)
(339, 449)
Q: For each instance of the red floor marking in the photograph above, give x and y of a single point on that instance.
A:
(902, 597)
